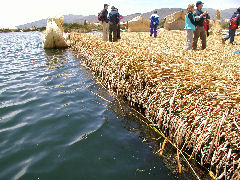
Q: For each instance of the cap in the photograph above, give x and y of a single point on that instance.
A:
(198, 3)
(106, 5)
(113, 7)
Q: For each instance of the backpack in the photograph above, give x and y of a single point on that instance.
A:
(100, 16)
(206, 24)
(233, 24)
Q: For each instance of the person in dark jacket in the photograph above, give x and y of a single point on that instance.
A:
(113, 24)
(231, 33)
(104, 19)
(200, 31)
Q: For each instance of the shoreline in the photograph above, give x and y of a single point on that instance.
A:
(192, 98)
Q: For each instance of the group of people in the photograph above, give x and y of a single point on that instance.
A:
(111, 23)
(196, 25)
(197, 20)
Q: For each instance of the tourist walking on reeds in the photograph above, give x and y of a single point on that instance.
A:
(113, 24)
(154, 24)
(104, 19)
(119, 29)
(233, 26)
(190, 26)
(200, 19)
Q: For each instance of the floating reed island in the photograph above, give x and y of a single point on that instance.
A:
(191, 97)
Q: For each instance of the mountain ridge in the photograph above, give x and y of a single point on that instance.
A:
(163, 12)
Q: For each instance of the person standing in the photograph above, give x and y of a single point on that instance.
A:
(190, 26)
(154, 24)
(200, 19)
(113, 24)
(104, 19)
(234, 23)
(118, 30)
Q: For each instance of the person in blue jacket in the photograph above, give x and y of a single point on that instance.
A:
(190, 26)
(154, 24)
(232, 31)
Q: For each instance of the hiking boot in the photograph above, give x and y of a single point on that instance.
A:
(223, 41)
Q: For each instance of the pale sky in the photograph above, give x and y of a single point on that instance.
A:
(18, 12)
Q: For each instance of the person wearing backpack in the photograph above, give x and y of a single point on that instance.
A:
(103, 17)
(233, 26)
(200, 19)
(154, 24)
(113, 24)
(189, 26)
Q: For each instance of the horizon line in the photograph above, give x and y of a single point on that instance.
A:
(124, 15)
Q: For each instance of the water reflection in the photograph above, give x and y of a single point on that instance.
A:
(56, 58)
(53, 52)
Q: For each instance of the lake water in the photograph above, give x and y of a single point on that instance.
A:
(56, 124)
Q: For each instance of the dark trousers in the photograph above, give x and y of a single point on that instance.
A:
(230, 35)
(118, 32)
(153, 28)
(200, 31)
(113, 31)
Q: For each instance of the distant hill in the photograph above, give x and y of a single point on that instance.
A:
(227, 13)
(43, 22)
(163, 12)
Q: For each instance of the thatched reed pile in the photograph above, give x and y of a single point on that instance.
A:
(139, 24)
(193, 97)
(175, 21)
(217, 25)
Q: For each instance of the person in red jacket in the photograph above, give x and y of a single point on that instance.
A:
(118, 31)
(234, 23)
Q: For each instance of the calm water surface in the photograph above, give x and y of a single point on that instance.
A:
(54, 123)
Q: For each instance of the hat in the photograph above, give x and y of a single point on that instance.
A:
(113, 7)
(106, 5)
(198, 3)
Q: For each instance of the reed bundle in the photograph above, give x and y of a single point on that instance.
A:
(193, 97)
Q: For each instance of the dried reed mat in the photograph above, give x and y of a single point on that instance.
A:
(193, 97)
